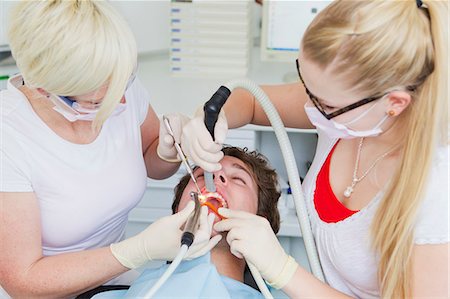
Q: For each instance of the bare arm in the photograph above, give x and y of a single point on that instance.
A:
(431, 271)
(430, 277)
(289, 99)
(305, 285)
(26, 273)
(156, 168)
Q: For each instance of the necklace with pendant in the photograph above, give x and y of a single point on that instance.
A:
(355, 180)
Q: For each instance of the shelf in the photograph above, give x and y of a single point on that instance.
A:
(270, 129)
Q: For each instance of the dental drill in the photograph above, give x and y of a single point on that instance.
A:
(187, 238)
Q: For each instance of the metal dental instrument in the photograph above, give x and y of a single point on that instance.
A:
(181, 154)
(192, 223)
(212, 109)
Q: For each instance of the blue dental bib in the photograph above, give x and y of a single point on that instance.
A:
(197, 278)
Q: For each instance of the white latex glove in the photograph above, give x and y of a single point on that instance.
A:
(198, 144)
(161, 240)
(251, 237)
(166, 149)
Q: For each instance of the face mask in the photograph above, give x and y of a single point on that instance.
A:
(72, 111)
(340, 131)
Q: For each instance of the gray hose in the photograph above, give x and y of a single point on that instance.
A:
(291, 167)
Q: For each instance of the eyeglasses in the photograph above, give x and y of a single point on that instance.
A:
(94, 104)
(319, 106)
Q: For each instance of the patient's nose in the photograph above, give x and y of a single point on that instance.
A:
(220, 178)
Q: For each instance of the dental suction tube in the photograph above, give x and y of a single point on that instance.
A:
(212, 109)
(289, 160)
(291, 168)
(213, 106)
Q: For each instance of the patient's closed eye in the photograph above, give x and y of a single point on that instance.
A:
(240, 180)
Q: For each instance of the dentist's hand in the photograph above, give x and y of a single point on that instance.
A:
(198, 145)
(161, 240)
(166, 149)
(251, 237)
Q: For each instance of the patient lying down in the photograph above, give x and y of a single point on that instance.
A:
(244, 183)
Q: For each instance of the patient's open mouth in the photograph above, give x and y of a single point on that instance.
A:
(213, 200)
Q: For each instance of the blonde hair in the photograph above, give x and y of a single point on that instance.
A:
(71, 48)
(381, 45)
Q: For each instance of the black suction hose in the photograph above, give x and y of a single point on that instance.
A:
(213, 106)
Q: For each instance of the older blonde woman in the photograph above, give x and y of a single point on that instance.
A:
(79, 138)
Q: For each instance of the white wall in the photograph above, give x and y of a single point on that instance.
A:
(149, 21)
(5, 6)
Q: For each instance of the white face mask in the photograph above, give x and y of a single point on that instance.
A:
(72, 111)
(337, 130)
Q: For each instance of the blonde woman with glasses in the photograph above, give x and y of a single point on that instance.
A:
(78, 140)
(373, 81)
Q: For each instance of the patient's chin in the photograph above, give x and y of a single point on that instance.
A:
(223, 242)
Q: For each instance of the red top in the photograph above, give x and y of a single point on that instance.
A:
(329, 208)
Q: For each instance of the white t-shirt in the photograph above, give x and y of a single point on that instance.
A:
(85, 191)
(348, 261)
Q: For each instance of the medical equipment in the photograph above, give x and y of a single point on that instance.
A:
(283, 25)
(192, 223)
(212, 110)
(187, 239)
(291, 167)
(181, 154)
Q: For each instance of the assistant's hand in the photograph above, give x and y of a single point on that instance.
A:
(166, 149)
(251, 237)
(161, 240)
(198, 145)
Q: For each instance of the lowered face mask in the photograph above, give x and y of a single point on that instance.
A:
(341, 131)
(73, 111)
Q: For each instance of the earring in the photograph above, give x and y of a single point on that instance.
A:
(391, 113)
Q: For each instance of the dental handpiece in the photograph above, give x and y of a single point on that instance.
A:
(192, 223)
(212, 109)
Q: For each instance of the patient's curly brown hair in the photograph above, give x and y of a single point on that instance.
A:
(264, 176)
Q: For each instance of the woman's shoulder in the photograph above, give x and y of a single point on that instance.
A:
(138, 99)
(10, 101)
(433, 215)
